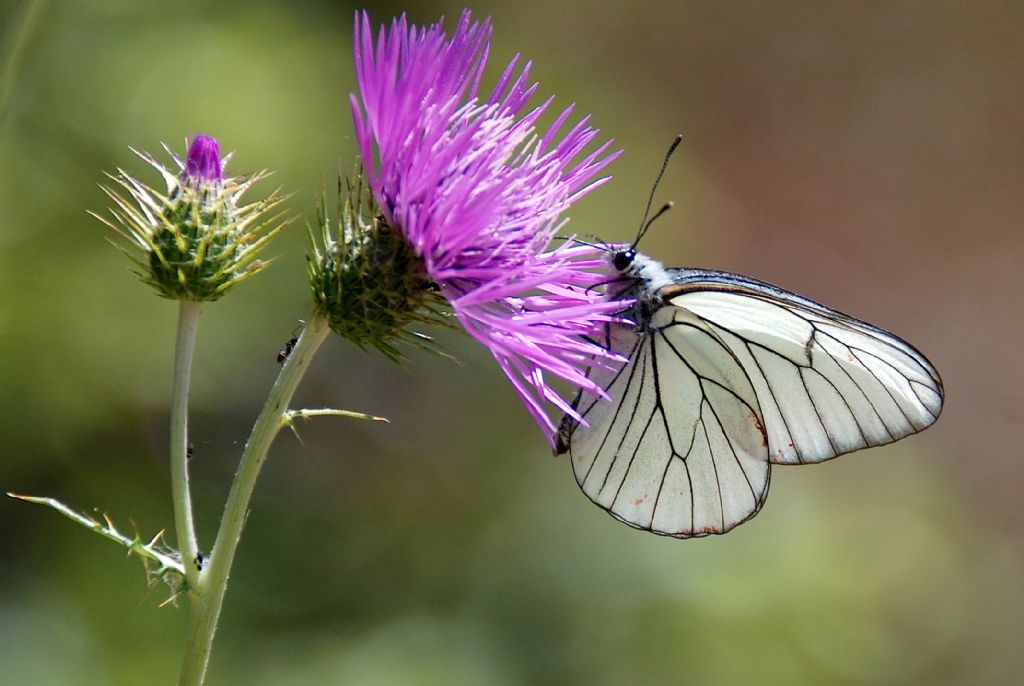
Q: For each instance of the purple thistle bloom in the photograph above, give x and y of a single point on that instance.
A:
(478, 193)
(203, 162)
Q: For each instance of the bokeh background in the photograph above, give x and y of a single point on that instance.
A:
(868, 155)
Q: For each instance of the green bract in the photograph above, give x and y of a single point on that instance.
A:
(366, 278)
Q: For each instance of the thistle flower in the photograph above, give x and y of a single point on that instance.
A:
(478, 193)
(196, 240)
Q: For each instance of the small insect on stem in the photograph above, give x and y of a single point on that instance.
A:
(283, 353)
(286, 351)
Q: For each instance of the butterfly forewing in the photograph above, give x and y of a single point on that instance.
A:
(827, 383)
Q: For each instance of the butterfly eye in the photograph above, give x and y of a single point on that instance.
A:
(622, 259)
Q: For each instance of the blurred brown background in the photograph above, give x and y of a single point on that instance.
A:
(867, 155)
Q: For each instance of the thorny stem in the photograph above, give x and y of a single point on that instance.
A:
(188, 326)
(153, 551)
(207, 595)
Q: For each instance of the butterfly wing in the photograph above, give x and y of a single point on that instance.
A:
(730, 375)
(681, 449)
(826, 383)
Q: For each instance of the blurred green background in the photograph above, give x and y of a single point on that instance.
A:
(868, 155)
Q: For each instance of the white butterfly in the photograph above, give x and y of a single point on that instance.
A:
(727, 376)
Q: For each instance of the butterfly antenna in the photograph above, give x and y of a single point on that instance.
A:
(597, 244)
(644, 223)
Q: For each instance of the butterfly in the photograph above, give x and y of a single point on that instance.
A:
(727, 376)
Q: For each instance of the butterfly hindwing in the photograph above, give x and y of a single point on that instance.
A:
(681, 450)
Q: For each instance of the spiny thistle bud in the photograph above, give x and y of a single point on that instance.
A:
(366, 278)
(196, 239)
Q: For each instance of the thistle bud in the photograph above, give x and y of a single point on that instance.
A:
(366, 278)
(196, 239)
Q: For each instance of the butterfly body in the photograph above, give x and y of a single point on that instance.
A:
(642, 279)
(727, 375)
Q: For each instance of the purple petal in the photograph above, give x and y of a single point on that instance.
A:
(203, 162)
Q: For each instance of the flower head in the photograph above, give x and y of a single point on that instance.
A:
(478, 193)
(196, 239)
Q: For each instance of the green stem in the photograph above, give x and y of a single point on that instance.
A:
(208, 594)
(188, 326)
